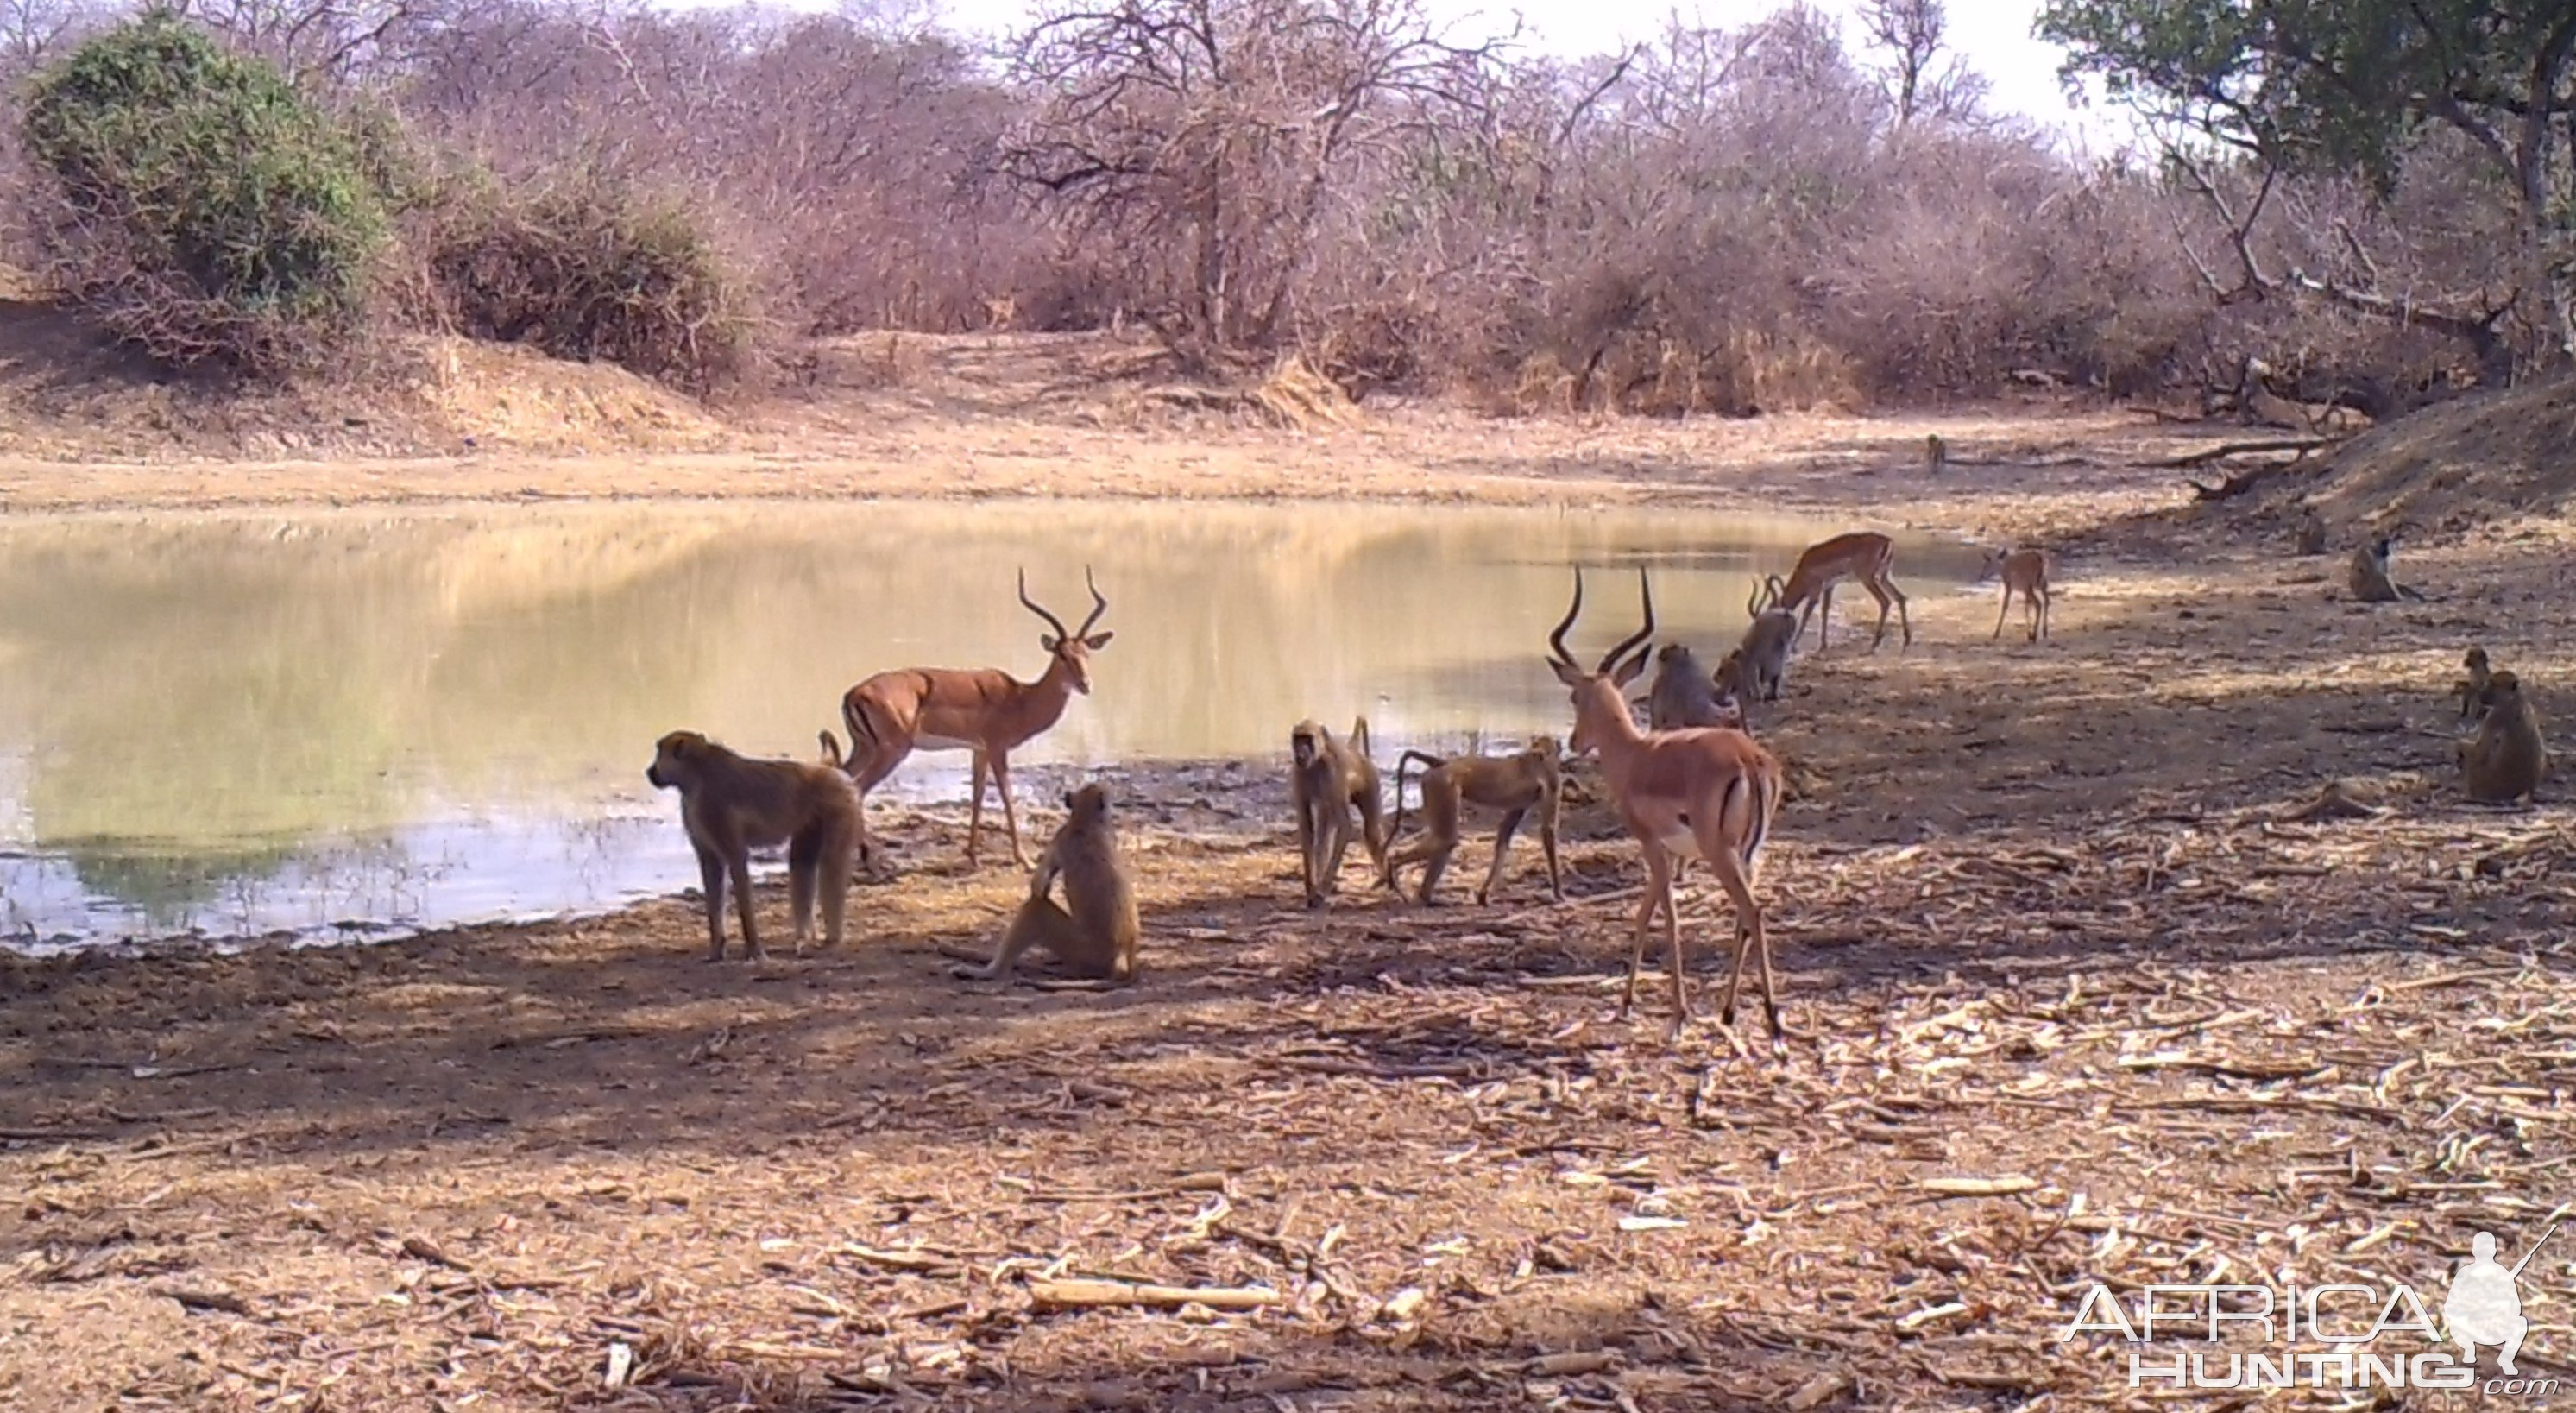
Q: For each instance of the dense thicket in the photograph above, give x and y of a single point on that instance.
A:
(1724, 219)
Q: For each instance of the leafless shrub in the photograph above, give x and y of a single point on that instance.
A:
(1729, 218)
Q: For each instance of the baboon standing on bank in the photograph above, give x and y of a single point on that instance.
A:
(1514, 784)
(1327, 779)
(732, 804)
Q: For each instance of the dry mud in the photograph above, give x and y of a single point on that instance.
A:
(2044, 919)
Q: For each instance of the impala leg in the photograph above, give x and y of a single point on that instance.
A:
(1825, 619)
(975, 809)
(1884, 603)
(1999, 614)
(1547, 841)
(1673, 953)
(1749, 937)
(1902, 617)
(1659, 894)
(1010, 816)
(2039, 626)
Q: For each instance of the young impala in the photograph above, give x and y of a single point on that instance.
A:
(2025, 573)
(984, 710)
(1705, 792)
(1864, 555)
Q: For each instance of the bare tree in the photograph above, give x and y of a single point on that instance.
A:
(1223, 126)
(1922, 79)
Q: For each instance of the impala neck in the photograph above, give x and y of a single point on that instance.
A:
(1612, 730)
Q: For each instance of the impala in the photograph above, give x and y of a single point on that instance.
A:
(1705, 792)
(1864, 555)
(2025, 573)
(984, 710)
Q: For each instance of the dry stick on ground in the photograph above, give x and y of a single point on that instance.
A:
(1089, 1293)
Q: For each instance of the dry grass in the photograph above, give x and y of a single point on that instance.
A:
(2036, 907)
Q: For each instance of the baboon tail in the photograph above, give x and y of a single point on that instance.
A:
(832, 750)
(1359, 734)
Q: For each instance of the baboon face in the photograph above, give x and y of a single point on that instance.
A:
(673, 757)
(2506, 691)
(1305, 743)
(2477, 658)
(1671, 653)
(1547, 746)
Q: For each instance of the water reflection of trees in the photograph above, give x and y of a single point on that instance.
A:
(182, 685)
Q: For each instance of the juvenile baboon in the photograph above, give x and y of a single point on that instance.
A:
(1936, 452)
(1514, 784)
(1094, 934)
(2503, 761)
(732, 805)
(1326, 779)
(1763, 654)
(2025, 572)
(2310, 538)
(2472, 690)
(1683, 694)
(2372, 578)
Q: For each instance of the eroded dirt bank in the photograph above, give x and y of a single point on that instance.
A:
(2036, 909)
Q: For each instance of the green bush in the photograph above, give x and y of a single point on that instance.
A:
(205, 209)
(587, 265)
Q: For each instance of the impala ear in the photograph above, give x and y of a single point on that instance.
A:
(1566, 672)
(1097, 641)
(1048, 641)
(1628, 671)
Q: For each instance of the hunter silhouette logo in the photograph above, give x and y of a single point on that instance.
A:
(2485, 1305)
(2341, 1334)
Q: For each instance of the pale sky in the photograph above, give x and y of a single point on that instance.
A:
(1994, 35)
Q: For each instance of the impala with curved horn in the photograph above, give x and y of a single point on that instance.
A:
(1705, 792)
(984, 710)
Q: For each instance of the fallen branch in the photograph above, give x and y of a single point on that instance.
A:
(2224, 450)
(1094, 1293)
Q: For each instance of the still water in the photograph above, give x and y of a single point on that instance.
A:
(358, 723)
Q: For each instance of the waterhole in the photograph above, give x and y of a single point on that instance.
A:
(342, 725)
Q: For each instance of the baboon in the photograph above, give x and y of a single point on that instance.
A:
(2310, 538)
(732, 805)
(2025, 572)
(1936, 452)
(2472, 690)
(1763, 654)
(1514, 784)
(2371, 577)
(1683, 695)
(1094, 933)
(1326, 778)
(2503, 761)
